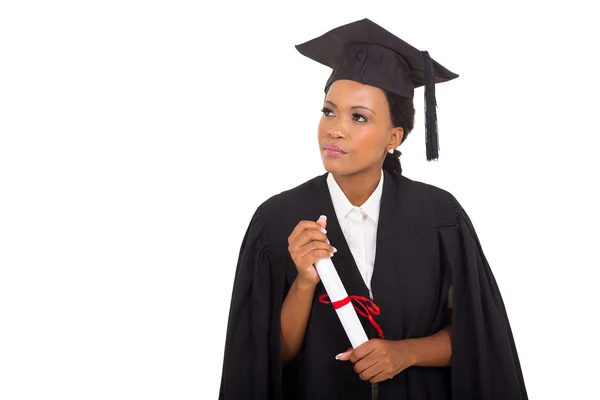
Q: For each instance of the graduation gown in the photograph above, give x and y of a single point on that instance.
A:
(425, 244)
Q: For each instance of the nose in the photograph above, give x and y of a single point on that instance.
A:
(337, 131)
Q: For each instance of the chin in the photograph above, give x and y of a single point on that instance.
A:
(338, 168)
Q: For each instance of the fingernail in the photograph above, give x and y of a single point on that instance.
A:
(330, 254)
(338, 356)
(328, 241)
(323, 217)
(323, 230)
(334, 250)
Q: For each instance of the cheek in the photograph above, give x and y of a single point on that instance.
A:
(368, 140)
(324, 127)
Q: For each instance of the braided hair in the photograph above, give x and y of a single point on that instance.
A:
(402, 112)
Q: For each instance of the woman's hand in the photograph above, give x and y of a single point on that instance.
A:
(378, 360)
(307, 244)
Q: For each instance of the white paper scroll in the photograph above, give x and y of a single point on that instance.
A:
(336, 291)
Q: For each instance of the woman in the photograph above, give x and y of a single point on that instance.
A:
(441, 331)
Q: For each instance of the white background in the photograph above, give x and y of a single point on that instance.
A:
(137, 139)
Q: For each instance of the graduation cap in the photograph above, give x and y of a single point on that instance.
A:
(365, 52)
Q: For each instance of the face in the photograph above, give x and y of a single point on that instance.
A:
(355, 131)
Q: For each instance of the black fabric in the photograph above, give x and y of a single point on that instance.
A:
(365, 52)
(425, 243)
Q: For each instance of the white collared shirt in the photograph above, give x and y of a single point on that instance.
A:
(359, 225)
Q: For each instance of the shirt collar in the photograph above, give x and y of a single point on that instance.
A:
(342, 205)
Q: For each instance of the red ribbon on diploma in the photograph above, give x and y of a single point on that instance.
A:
(369, 308)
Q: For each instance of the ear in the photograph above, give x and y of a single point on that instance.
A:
(396, 138)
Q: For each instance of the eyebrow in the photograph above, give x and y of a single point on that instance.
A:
(353, 107)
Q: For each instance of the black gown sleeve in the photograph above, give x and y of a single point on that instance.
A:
(252, 359)
(485, 363)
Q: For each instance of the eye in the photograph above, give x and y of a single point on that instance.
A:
(357, 117)
(327, 111)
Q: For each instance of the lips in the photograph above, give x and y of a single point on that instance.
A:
(333, 150)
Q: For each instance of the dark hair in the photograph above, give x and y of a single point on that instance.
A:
(402, 112)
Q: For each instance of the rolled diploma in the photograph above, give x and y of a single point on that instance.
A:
(336, 291)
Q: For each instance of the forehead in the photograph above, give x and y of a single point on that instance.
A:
(347, 92)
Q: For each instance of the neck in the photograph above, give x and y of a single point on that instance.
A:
(360, 186)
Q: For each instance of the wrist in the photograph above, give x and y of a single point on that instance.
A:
(408, 351)
(305, 285)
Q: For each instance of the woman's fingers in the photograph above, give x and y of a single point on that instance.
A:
(303, 226)
(307, 243)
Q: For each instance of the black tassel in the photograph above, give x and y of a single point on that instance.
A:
(431, 128)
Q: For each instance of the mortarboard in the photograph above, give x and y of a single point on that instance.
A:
(365, 52)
